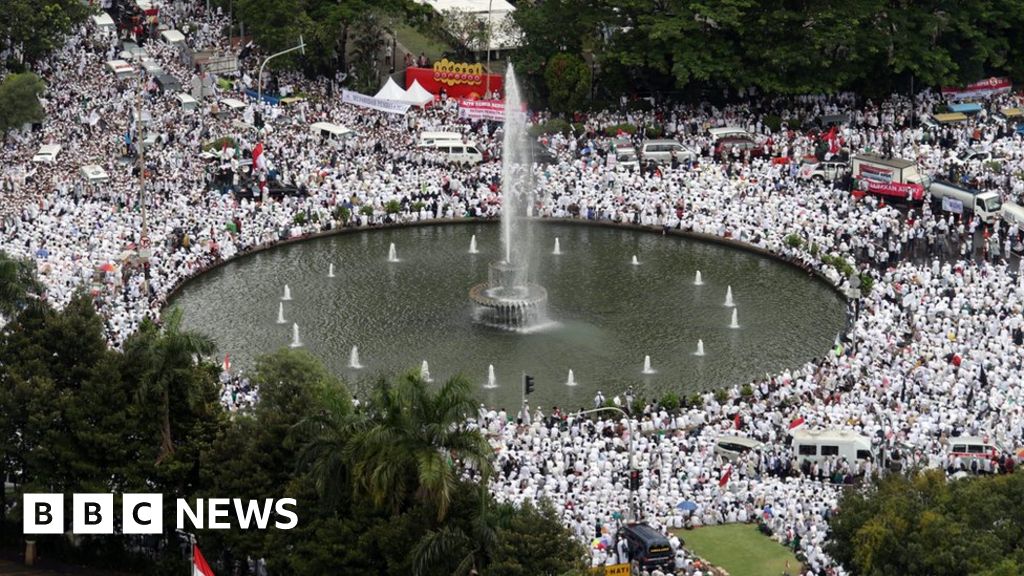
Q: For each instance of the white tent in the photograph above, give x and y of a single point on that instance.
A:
(94, 173)
(392, 91)
(418, 95)
(104, 21)
(47, 153)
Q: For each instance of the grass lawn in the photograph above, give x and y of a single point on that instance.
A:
(415, 42)
(740, 549)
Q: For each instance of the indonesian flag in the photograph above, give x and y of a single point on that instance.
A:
(833, 140)
(736, 421)
(258, 160)
(796, 424)
(227, 362)
(725, 476)
(199, 565)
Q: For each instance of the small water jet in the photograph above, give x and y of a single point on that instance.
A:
(697, 281)
(392, 253)
(647, 365)
(353, 358)
(425, 372)
(280, 313)
(296, 343)
(492, 381)
(472, 245)
(330, 270)
(571, 380)
(728, 298)
(558, 249)
(735, 323)
(635, 261)
(700, 348)
(287, 293)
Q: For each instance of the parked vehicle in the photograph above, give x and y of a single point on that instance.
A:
(625, 154)
(662, 151)
(430, 138)
(957, 199)
(1012, 213)
(817, 445)
(970, 448)
(459, 152)
(648, 547)
(725, 147)
(729, 132)
(823, 171)
(892, 178)
(732, 447)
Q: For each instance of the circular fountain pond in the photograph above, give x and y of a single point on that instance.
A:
(606, 314)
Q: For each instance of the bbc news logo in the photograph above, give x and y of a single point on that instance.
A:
(143, 514)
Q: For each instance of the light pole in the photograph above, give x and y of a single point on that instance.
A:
(143, 249)
(259, 88)
(629, 422)
(490, 30)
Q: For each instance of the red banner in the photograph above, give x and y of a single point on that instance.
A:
(895, 189)
(981, 89)
(455, 82)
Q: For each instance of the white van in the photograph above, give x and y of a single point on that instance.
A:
(817, 445)
(459, 152)
(729, 132)
(430, 138)
(969, 448)
(1012, 213)
(731, 447)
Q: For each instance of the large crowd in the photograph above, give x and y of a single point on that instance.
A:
(934, 349)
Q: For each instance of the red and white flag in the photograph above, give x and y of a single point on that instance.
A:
(725, 476)
(797, 423)
(258, 160)
(199, 565)
(227, 362)
(833, 141)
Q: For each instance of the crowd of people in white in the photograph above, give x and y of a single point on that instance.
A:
(933, 351)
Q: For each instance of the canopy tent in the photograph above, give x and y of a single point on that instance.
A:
(103, 21)
(1012, 112)
(233, 103)
(47, 153)
(392, 91)
(950, 117)
(418, 95)
(172, 36)
(94, 173)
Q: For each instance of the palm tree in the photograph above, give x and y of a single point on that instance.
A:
(325, 453)
(413, 443)
(166, 356)
(473, 548)
(19, 287)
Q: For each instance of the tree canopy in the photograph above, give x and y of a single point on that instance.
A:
(926, 525)
(19, 102)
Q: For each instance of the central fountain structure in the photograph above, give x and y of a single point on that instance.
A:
(509, 299)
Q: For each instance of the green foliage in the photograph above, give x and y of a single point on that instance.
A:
(37, 27)
(670, 401)
(616, 128)
(535, 542)
(299, 219)
(418, 205)
(654, 131)
(695, 400)
(19, 288)
(366, 210)
(721, 396)
(568, 83)
(794, 241)
(342, 213)
(894, 527)
(393, 207)
(746, 391)
(867, 283)
(552, 126)
(19, 100)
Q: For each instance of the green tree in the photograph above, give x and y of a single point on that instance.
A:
(568, 82)
(164, 358)
(407, 448)
(33, 28)
(19, 287)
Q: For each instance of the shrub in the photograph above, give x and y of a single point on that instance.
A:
(695, 400)
(746, 391)
(616, 128)
(815, 249)
(773, 122)
(555, 125)
(670, 401)
(721, 396)
(393, 207)
(366, 210)
(342, 213)
(417, 206)
(867, 283)
(654, 131)
(300, 218)
(794, 241)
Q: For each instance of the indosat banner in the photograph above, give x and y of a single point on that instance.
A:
(143, 514)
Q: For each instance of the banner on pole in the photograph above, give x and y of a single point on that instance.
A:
(364, 101)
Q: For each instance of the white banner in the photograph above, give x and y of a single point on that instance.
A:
(389, 106)
(952, 205)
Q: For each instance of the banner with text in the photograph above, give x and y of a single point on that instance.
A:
(952, 205)
(389, 106)
(980, 89)
(896, 190)
(482, 109)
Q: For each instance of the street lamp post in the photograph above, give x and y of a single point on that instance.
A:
(490, 31)
(259, 88)
(632, 462)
